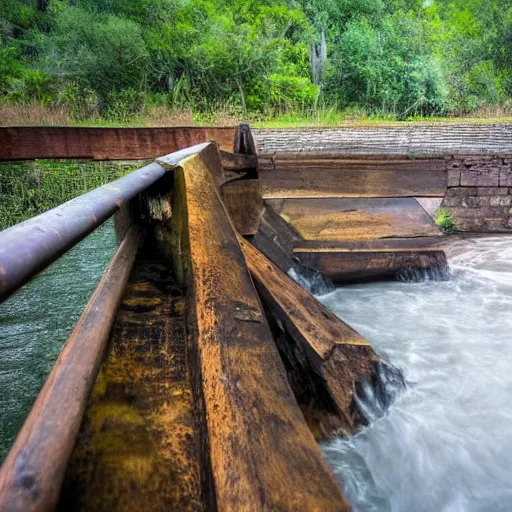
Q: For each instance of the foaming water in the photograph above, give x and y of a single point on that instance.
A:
(445, 444)
(312, 280)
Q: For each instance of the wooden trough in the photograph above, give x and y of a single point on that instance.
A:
(200, 376)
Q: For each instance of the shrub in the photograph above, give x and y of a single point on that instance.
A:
(445, 221)
(32, 85)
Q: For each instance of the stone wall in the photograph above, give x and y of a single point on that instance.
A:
(479, 194)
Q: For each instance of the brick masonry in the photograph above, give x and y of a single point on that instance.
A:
(479, 193)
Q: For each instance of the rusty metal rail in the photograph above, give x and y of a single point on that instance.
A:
(29, 247)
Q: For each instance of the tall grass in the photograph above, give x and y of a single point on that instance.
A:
(30, 188)
(226, 114)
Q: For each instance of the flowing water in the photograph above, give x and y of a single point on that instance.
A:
(36, 321)
(445, 445)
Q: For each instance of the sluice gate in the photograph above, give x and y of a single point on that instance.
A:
(201, 376)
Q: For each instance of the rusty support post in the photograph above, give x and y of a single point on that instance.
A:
(29, 247)
(31, 475)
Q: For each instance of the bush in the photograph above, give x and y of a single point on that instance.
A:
(445, 221)
(32, 85)
(81, 101)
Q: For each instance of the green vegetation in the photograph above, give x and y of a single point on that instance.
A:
(27, 189)
(444, 221)
(214, 61)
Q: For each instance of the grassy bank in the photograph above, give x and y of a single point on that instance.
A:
(38, 115)
(30, 188)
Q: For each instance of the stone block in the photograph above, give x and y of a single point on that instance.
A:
(477, 160)
(505, 177)
(470, 202)
(492, 191)
(452, 201)
(500, 200)
(473, 178)
(462, 191)
(453, 177)
(495, 224)
(484, 178)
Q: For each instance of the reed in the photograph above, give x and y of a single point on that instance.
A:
(30, 188)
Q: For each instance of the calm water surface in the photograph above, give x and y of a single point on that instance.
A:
(446, 443)
(36, 321)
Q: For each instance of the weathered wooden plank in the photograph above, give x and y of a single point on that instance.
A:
(328, 182)
(275, 239)
(29, 142)
(262, 456)
(138, 447)
(411, 244)
(317, 163)
(342, 265)
(32, 473)
(238, 162)
(346, 219)
(339, 355)
(244, 204)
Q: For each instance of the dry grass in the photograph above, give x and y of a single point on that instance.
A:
(164, 116)
(33, 114)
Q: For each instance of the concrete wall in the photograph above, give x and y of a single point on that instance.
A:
(479, 194)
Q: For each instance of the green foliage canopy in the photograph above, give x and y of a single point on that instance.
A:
(399, 57)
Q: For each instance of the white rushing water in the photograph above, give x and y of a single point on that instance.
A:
(445, 445)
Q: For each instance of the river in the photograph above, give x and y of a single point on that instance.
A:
(37, 320)
(445, 445)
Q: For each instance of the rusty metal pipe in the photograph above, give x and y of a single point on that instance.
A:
(32, 473)
(29, 247)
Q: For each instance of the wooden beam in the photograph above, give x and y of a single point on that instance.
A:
(30, 142)
(244, 141)
(302, 181)
(138, 446)
(343, 219)
(32, 473)
(238, 162)
(343, 265)
(339, 355)
(259, 452)
(275, 239)
(242, 199)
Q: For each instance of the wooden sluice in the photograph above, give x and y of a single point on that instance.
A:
(201, 376)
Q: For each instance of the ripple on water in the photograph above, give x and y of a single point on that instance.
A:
(446, 443)
(36, 321)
